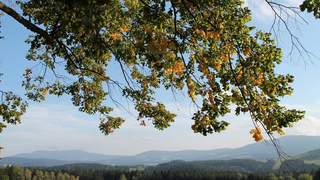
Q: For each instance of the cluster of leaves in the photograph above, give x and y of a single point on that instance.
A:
(203, 47)
(311, 6)
(12, 108)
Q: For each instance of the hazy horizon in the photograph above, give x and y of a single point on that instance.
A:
(156, 150)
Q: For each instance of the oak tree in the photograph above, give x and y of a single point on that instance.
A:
(205, 48)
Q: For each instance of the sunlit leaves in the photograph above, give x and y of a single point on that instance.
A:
(12, 107)
(206, 118)
(109, 124)
(37, 89)
(256, 134)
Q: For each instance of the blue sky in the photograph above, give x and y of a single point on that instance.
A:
(57, 125)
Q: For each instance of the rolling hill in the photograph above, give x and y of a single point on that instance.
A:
(310, 157)
(292, 145)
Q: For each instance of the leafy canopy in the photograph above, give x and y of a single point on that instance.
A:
(203, 47)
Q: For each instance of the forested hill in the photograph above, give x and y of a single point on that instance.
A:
(236, 165)
(16, 173)
(239, 165)
(216, 169)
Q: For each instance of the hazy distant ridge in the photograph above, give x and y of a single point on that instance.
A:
(292, 145)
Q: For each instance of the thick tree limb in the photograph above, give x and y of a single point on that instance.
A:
(29, 25)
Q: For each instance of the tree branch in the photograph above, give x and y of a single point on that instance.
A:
(29, 25)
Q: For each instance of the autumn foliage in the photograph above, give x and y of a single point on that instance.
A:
(204, 48)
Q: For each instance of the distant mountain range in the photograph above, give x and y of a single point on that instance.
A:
(297, 146)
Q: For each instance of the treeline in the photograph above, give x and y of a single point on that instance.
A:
(121, 173)
(225, 175)
(155, 173)
(18, 173)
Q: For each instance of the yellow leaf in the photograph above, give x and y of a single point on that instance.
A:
(191, 88)
(116, 36)
(124, 29)
(256, 134)
(217, 65)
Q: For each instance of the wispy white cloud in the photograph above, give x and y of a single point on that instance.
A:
(308, 126)
(58, 127)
